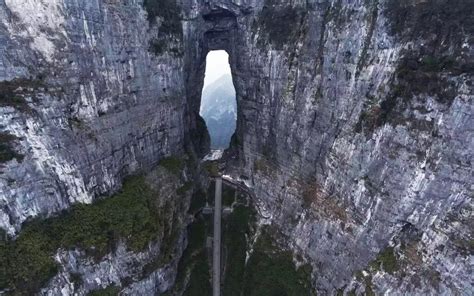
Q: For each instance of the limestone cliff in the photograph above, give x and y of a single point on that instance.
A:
(100, 104)
(354, 124)
(355, 130)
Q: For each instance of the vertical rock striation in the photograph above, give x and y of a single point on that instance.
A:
(101, 105)
(354, 127)
(354, 124)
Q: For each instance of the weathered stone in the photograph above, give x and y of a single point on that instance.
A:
(354, 119)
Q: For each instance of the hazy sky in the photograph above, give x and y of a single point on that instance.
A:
(217, 64)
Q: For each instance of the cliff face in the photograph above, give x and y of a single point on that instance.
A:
(91, 100)
(355, 130)
(126, 266)
(354, 124)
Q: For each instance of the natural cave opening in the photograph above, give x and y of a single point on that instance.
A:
(218, 100)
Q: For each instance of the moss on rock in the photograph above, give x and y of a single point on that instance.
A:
(12, 93)
(386, 260)
(212, 168)
(131, 215)
(194, 274)
(277, 23)
(271, 271)
(109, 291)
(168, 16)
(168, 12)
(7, 152)
(172, 164)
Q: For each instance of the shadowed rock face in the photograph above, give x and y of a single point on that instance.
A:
(354, 122)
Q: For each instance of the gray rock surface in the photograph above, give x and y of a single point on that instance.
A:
(357, 125)
(109, 107)
(355, 122)
(146, 273)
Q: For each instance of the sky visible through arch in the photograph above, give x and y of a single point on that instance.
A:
(218, 102)
(217, 64)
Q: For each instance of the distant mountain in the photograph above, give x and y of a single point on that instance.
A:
(219, 110)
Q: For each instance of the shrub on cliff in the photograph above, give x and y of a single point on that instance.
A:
(7, 152)
(168, 12)
(278, 24)
(12, 92)
(131, 215)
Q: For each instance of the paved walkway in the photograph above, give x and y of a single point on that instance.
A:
(216, 252)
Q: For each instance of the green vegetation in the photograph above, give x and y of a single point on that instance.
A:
(76, 122)
(414, 76)
(271, 271)
(12, 92)
(193, 270)
(228, 195)
(173, 164)
(194, 276)
(237, 227)
(386, 260)
(168, 13)
(234, 141)
(185, 188)
(198, 200)
(366, 281)
(3, 259)
(76, 279)
(422, 74)
(200, 137)
(448, 19)
(264, 166)
(277, 23)
(368, 286)
(425, 70)
(7, 152)
(158, 46)
(200, 276)
(351, 293)
(169, 239)
(131, 214)
(109, 291)
(212, 168)
(464, 245)
(372, 22)
(431, 63)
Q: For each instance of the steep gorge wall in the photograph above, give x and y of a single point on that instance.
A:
(91, 92)
(355, 130)
(89, 96)
(354, 121)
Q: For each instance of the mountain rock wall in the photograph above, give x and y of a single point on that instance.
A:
(355, 131)
(88, 98)
(354, 122)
